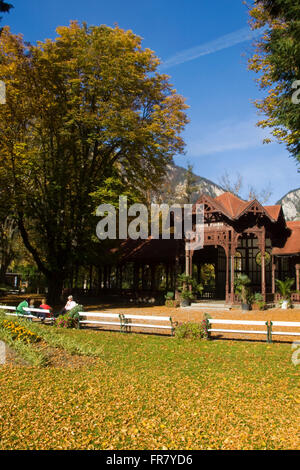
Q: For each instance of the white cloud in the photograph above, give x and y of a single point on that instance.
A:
(224, 136)
(223, 42)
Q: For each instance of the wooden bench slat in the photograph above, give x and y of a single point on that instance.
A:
(285, 333)
(146, 325)
(286, 323)
(146, 317)
(98, 322)
(99, 315)
(38, 310)
(236, 322)
(239, 331)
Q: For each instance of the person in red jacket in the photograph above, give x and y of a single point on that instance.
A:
(44, 306)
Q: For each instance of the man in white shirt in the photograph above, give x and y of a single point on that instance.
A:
(70, 304)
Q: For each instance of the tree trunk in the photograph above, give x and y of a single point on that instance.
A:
(3, 269)
(55, 287)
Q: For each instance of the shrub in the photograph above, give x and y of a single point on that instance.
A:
(191, 330)
(74, 312)
(70, 319)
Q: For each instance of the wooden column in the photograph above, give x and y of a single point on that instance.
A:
(198, 273)
(176, 273)
(105, 277)
(153, 269)
(227, 275)
(273, 274)
(232, 246)
(297, 266)
(232, 273)
(167, 268)
(191, 262)
(187, 262)
(99, 279)
(119, 277)
(263, 264)
(143, 277)
(136, 277)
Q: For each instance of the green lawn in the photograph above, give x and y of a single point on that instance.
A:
(152, 392)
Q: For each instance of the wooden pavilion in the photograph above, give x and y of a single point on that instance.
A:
(239, 237)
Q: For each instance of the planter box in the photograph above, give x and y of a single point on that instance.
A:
(246, 307)
(172, 303)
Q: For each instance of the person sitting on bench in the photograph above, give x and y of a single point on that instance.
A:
(69, 305)
(20, 308)
(44, 306)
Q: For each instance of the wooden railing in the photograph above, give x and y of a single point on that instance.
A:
(295, 297)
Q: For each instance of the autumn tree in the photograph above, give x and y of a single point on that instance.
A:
(79, 109)
(277, 62)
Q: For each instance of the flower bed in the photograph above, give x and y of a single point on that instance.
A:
(19, 332)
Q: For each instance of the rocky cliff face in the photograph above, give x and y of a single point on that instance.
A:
(176, 186)
(291, 205)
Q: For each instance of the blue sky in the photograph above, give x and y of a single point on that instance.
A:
(204, 47)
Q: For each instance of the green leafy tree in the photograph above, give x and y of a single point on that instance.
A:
(83, 108)
(276, 60)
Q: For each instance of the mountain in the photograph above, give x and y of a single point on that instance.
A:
(176, 185)
(291, 204)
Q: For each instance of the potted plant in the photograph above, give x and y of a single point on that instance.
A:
(259, 301)
(186, 296)
(170, 301)
(285, 290)
(186, 285)
(242, 289)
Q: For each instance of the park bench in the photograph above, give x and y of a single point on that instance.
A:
(130, 321)
(124, 321)
(30, 310)
(210, 321)
(287, 324)
(108, 319)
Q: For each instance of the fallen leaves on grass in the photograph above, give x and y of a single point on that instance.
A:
(155, 393)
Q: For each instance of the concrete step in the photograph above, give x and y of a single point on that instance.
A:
(209, 306)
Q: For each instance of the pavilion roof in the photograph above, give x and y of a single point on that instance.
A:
(232, 204)
(234, 207)
(292, 244)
